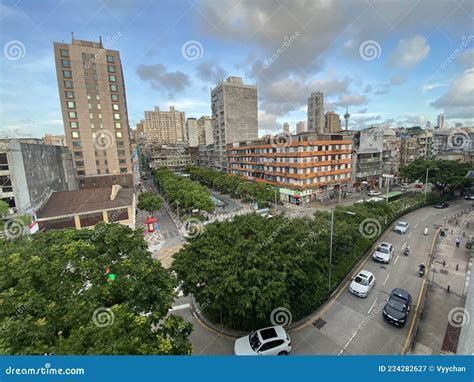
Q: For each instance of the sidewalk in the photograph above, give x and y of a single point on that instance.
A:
(442, 318)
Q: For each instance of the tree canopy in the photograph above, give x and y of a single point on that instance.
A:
(442, 173)
(87, 292)
(234, 185)
(149, 201)
(4, 208)
(190, 195)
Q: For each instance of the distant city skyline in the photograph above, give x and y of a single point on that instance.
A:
(392, 64)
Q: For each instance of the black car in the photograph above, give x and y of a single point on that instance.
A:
(441, 205)
(397, 307)
(469, 197)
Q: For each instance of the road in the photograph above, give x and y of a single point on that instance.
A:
(348, 324)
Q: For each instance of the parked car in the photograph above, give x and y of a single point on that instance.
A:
(397, 307)
(374, 193)
(273, 340)
(362, 284)
(401, 227)
(469, 197)
(441, 205)
(383, 253)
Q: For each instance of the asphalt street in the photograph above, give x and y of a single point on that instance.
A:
(349, 324)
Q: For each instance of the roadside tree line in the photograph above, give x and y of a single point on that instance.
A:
(233, 185)
(244, 269)
(190, 195)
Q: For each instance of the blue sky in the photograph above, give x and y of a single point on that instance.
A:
(417, 62)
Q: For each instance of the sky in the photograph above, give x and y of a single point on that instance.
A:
(396, 63)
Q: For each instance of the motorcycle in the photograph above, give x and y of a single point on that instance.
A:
(421, 270)
(406, 252)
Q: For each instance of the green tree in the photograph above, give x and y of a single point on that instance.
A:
(4, 208)
(87, 292)
(149, 201)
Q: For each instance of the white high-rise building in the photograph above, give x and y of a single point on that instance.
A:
(441, 121)
(316, 112)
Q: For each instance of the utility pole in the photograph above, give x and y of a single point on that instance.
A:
(330, 249)
(426, 182)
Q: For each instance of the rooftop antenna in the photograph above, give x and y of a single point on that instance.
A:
(72, 36)
(100, 41)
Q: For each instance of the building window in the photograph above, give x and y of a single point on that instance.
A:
(122, 161)
(66, 63)
(120, 144)
(121, 153)
(106, 162)
(115, 97)
(74, 124)
(111, 59)
(72, 114)
(76, 144)
(79, 163)
(90, 106)
(112, 78)
(81, 173)
(88, 96)
(91, 116)
(69, 94)
(67, 74)
(68, 84)
(118, 134)
(75, 134)
(123, 170)
(86, 77)
(77, 154)
(100, 115)
(117, 116)
(64, 53)
(97, 97)
(111, 68)
(106, 170)
(118, 125)
(71, 105)
(113, 88)
(98, 106)
(115, 106)
(101, 125)
(92, 125)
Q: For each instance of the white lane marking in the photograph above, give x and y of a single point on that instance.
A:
(409, 235)
(348, 342)
(404, 245)
(386, 279)
(396, 260)
(372, 307)
(179, 307)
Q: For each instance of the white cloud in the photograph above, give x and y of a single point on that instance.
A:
(410, 52)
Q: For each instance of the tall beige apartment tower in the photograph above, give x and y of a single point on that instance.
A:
(234, 116)
(300, 127)
(316, 112)
(94, 107)
(332, 122)
(165, 127)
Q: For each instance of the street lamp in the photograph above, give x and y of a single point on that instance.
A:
(177, 207)
(387, 177)
(330, 241)
(426, 182)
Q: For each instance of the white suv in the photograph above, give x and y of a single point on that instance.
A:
(401, 227)
(269, 341)
(383, 253)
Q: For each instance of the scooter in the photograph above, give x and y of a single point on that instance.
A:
(421, 270)
(406, 252)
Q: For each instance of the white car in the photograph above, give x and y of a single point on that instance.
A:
(401, 227)
(383, 253)
(273, 340)
(362, 284)
(374, 193)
